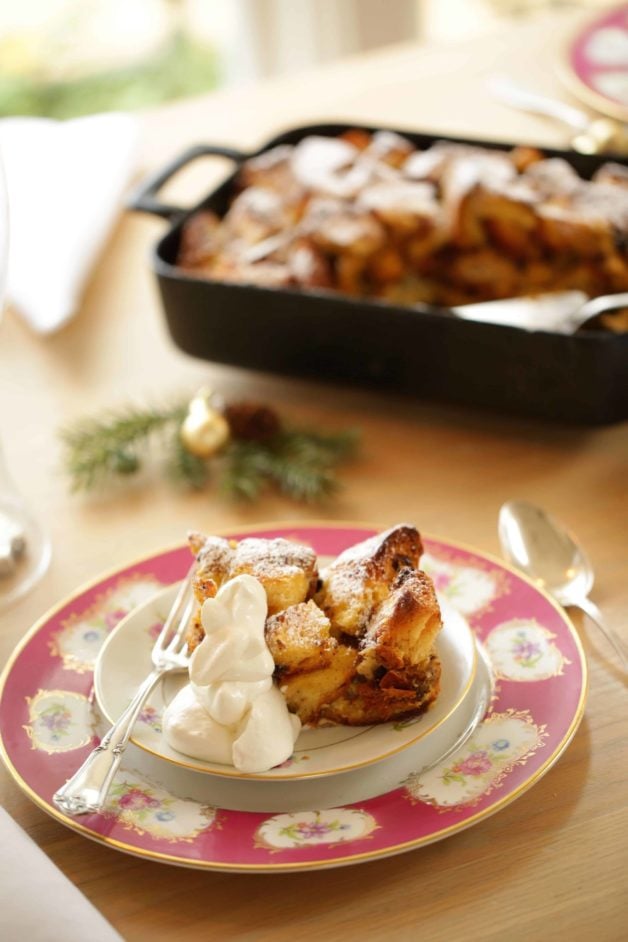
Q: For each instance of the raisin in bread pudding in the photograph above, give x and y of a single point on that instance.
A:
(352, 645)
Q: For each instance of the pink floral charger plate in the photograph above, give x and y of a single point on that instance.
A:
(49, 722)
(596, 62)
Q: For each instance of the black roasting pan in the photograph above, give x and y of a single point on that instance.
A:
(581, 379)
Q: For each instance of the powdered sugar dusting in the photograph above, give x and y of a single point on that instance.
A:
(270, 559)
(215, 556)
(360, 551)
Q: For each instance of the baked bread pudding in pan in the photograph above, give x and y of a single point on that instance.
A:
(370, 215)
(353, 644)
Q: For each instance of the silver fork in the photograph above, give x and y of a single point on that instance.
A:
(86, 792)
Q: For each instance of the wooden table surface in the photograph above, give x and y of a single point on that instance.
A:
(552, 864)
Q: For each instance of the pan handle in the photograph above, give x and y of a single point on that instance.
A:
(144, 198)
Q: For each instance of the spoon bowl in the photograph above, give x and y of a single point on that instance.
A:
(542, 548)
(545, 551)
(563, 312)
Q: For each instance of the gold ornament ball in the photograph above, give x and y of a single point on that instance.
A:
(204, 430)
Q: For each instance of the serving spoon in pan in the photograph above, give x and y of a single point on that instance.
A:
(564, 312)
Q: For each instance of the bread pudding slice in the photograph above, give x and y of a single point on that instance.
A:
(358, 651)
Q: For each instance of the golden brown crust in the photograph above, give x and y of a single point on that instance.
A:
(397, 672)
(361, 577)
(195, 632)
(402, 631)
(288, 571)
(214, 556)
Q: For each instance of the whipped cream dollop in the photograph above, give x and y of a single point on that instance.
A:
(231, 712)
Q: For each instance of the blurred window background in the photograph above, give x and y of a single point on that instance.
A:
(64, 58)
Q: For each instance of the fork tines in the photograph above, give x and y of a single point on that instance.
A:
(176, 623)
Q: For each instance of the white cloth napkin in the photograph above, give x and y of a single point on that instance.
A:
(37, 902)
(65, 181)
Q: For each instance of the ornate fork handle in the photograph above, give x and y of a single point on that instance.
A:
(87, 790)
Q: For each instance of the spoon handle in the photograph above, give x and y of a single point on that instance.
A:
(507, 91)
(593, 612)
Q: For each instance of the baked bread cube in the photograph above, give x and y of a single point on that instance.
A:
(299, 639)
(566, 231)
(214, 556)
(397, 672)
(405, 206)
(339, 227)
(388, 147)
(552, 178)
(509, 215)
(272, 170)
(485, 272)
(465, 180)
(361, 577)
(308, 265)
(257, 213)
(288, 571)
(401, 632)
(523, 156)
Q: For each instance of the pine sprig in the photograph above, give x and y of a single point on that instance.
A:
(246, 469)
(299, 462)
(98, 449)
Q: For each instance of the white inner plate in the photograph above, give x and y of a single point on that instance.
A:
(124, 661)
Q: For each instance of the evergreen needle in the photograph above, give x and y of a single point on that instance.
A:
(97, 449)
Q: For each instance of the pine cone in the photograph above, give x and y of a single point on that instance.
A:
(251, 421)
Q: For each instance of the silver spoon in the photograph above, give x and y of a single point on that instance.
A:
(541, 547)
(563, 312)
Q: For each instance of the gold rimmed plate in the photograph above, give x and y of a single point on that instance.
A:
(49, 722)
